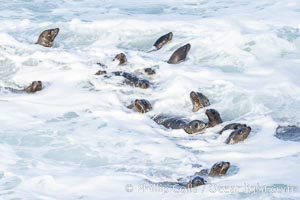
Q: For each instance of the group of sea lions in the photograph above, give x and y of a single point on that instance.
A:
(240, 131)
(199, 101)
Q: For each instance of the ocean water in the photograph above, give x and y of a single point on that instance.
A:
(76, 139)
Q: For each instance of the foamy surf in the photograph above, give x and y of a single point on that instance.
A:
(76, 139)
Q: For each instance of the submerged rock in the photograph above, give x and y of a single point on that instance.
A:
(288, 133)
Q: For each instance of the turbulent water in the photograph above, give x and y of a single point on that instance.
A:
(76, 139)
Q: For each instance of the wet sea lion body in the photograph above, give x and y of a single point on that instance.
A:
(180, 54)
(240, 132)
(32, 88)
(218, 169)
(133, 80)
(232, 126)
(47, 37)
(238, 135)
(140, 105)
(163, 40)
(172, 122)
(195, 126)
(101, 72)
(121, 58)
(130, 79)
(198, 100)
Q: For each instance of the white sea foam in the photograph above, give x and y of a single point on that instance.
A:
(76, 139)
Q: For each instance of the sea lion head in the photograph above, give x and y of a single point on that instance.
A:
(214, 117)
(196, 181)
(47, 37)
(142, 105)
(34, 86)
(219, 168)
(170, 36)
(187, 47)
(144, 84)
(180, 54)
(163, 40)
(101, 72)
(149, 71)
(121, 57)
(195, 126)
(198, 100)
(238, 135)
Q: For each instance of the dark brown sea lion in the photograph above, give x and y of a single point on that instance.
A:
(180, 54)
(149, 71)
(198, 100)
(140, 105)
(195, 126)
(33, 87)
(172, 122)
(47, 37)
(163, 40)
(288, 133)
(218, 169)
(214, 117)
(101, 72)
(121, 57)
(238, 135)
(130, 79)
(133, 80)
(232, 126)
(195, 182)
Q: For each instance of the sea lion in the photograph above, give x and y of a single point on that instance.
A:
(47, 37)
(214, 117)
(194, 126)
(101, 65)
(121, 58)
(288, 133)
(182, 183)
(195, 182)
(130, 79)
(163, 40)
(238, 135)
(140, 105)
(32, 88)
(149, 71)
(180, 54)
(218, 169)
(101, 72)
(133, 80)
(198, 100)
(233, 126)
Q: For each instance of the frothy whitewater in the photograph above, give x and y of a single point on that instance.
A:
(76, 139)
